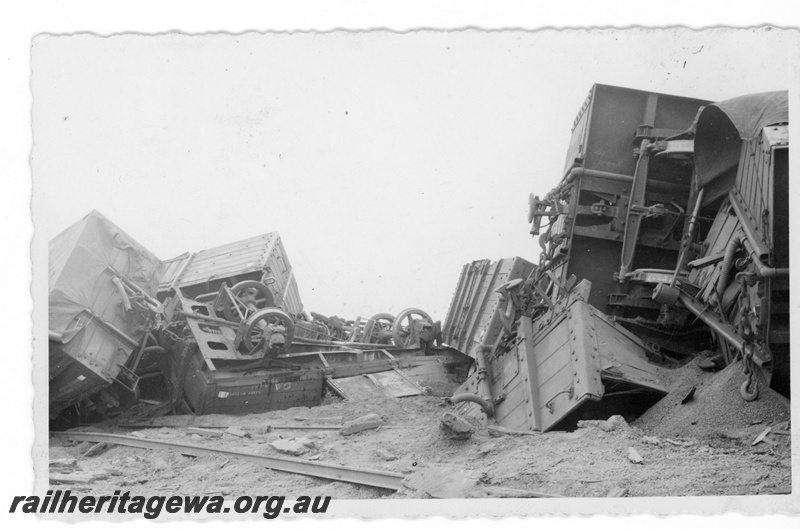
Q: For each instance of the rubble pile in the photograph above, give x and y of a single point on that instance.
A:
(715, 410)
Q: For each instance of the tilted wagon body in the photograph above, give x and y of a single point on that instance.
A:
(666, 238)
(98, 280)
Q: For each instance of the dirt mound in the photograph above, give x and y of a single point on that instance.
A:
(716, 411)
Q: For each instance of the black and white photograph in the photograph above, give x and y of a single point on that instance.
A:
(436, 272)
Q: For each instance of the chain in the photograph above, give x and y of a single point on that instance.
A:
(749, 389)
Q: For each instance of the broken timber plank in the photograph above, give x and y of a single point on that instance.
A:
(96, 450)
(66, 462)
(762, 436)
(496, 431)
(204, 432)
(506, 492)
(618, 492)
(72, 478)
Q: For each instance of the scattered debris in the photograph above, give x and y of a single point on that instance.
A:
(487, 448)
(443, 482)
(609, 425)
(75, 477)
(240, 343)
(455, 427)
(63, 463)
(683, 443)
(618, 492)
(497, 431)
(204, 432)
(386, 455)
(762, 436)
(366, 422)
(506, 492)
(96, 450)
(237, 432)
(634, 456)
(295, 447)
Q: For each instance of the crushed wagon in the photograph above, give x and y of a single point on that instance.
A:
(665, 241)
(102, 288)
(222, 330)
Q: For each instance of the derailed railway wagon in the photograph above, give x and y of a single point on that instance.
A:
(666, 239)
(261, 259)
(222, 330)
(737, 268)
(238, 341)
(102, 287)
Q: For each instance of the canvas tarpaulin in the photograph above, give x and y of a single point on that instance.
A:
(723, 126)
(81, 260)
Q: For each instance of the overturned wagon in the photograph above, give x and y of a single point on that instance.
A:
(238, 340)
(260, 362)
(222, 330)
(102, 287)
(666, 239)
(258, 260)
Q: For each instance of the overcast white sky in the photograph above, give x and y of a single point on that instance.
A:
(384, 160)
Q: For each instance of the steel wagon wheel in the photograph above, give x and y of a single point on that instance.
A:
(380, 330)
(403, 327)
(260, 325)
(248, 297)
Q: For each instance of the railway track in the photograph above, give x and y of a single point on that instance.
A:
(372, 478)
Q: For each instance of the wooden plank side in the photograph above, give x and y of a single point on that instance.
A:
(256, 393)
(255, 254)
(474, 315)
(465, 312)
(757, 203)
(233, 256)
(258, 242)
(222, 267)
(744, 171)
(551, 342)
(513, 411)
(556, 392)
(560, 380)
(450, 331)
(526, 353)
(556, 360)
(717, 245)
(482, 306)
(291, 301)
